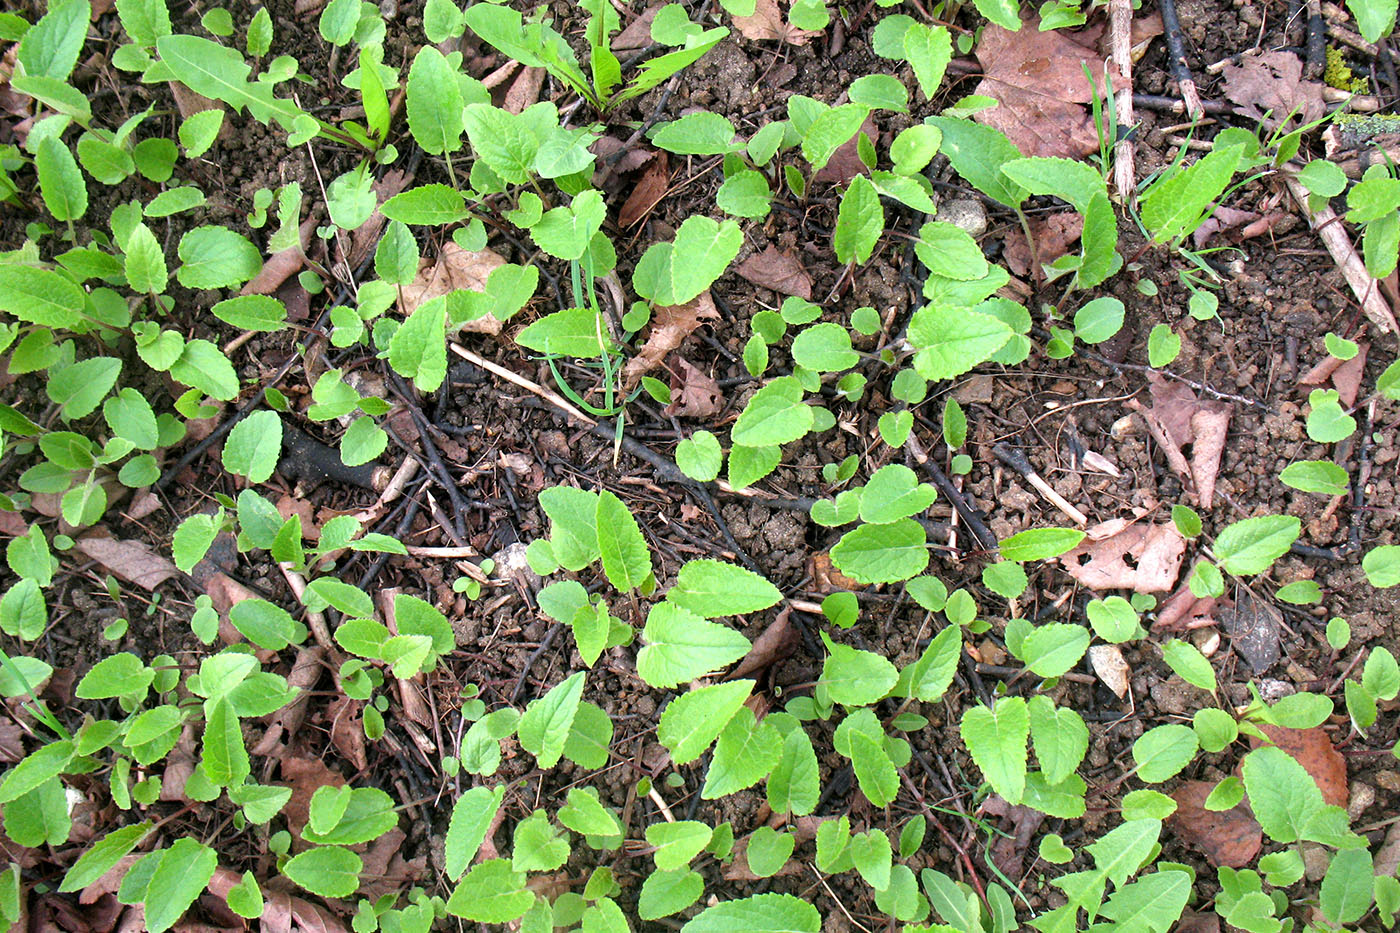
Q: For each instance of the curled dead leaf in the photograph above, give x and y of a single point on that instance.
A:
(1107, 662)
(1229, 838)
(670, 325)
(767, 22)
(649, 190)
(775, 643)
(1052, 235)
(694, 393)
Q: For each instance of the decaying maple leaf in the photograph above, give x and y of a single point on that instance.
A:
(1038, 79)
(1100, 562)
(454, 268)
(670, 325)
(779, 271)
(1269, 87)
(1229, 838)
(768, 22)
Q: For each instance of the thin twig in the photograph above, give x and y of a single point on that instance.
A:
(1176, 58)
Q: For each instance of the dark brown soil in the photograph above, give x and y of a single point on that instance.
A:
(1278, 297)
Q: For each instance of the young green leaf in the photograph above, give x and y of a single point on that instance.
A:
(1252, 545)
(854, 677)
(859, 222)
(681, 646)
(178, 879)
(626, 557)
(711, 588)
(492, 892)
(996, 739)
(545, 727)
(882, 553)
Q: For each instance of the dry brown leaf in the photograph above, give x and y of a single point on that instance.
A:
(454, 268)
(306, 671)
(775, 643)
(1347, 377)
(767, 22)
(1193, 922)
(1313, 749)
(1038, 77)
(845, 162)
(1221, 219)
(1272, 83)
(1209, 427)
(524, 90)
(305, 775)
(670, 325)
(1229, 838)
(1183, 610)
(1177, 419)
(637, 35)
(280, 909)
(694, 392)
(385, 868)
(133, 561)
(1009, 849)
(1107, 661)
(779, 271)
(1099, 562)
(647, 193)
(1053, 236)
(282, 265)
(348, 731)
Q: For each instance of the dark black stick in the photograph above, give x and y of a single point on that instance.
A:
(1176, 57)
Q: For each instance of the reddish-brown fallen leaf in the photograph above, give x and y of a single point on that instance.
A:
(1313, 749)
(694, 392)
(637, 35)
(133, 561)
(454, 268)
(280, 909)
(649, 190)
(1347, 377)
(1229, 838)
(1269, 88)
(845, 162)
(305, 775)
(767, 22)
(1209, 427)
(347, 731)
(1183, 610)
(779, 271)
(282, 265)
(670, 325)
(1053, 236)
(1100, 561)
(524, 90)
(1193, 922)
(775, 643)
(1038, 78)
(1009, 850)
(1178, 419)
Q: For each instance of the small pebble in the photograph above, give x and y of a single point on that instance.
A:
(965, 213)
